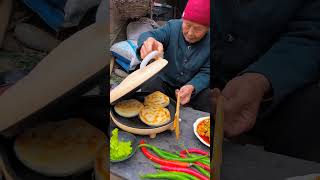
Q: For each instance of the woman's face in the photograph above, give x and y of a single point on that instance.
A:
(193, 32)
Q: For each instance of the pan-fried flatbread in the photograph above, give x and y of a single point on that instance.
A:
(59, 148)
(157, 99)
(128, 108)
(154, 115)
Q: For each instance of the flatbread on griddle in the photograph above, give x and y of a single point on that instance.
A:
(59, 148)
(157, 99)
(154, 115)
(128, 108)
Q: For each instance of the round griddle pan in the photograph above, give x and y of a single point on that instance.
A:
(135, 125)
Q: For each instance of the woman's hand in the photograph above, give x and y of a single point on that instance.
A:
(185, 93)
(242, 98)
(150, 45)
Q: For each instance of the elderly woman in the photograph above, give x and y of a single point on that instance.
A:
(186, 45)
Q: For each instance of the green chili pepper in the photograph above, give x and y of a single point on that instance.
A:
(202, 171)
(188, 176)
(167, 153)
(185, 175)
(195, 159)
(204, 160)
(207, 157)
(163, 175)
(171, 157)
(160, 152)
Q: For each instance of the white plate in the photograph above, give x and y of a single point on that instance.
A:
(195, 124)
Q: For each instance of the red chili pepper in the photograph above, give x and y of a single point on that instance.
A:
(205, 160)
(206, 167)
(203, 166)
(179, 169)
(183, 155)
(168, 156)
(194, 150)
(158, 160)
(202, 171)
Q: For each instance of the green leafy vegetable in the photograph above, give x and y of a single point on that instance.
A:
(119, 149)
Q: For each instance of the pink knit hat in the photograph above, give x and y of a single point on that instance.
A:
(198, 11)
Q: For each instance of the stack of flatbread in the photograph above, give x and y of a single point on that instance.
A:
(152, 112)
(60, 148)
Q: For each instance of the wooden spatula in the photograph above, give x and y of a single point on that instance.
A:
(176, 118)
(218, 140)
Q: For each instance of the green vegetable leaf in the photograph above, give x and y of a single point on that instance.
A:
(119, 149)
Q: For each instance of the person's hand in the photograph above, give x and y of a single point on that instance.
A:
(150, 45)
(242, 98)
(185, 93)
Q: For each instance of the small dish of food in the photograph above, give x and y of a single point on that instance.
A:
(201, 129)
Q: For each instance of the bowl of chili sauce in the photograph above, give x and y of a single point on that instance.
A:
(198, 127)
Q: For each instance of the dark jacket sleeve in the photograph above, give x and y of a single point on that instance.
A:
(161, 34)
(202, 79)
(294, 60)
